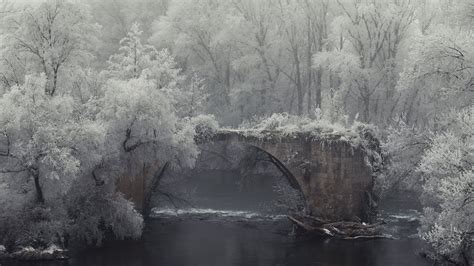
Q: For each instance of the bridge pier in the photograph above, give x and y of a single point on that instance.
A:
(334, 177)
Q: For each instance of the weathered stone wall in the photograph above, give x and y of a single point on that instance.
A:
(334, 177)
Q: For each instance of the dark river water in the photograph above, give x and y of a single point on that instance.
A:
(211, 232)
(243, 242)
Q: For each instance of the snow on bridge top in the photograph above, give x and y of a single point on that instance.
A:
(361, 136)
(279, 128)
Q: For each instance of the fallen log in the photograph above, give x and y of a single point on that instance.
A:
(310, 228)
(340, 230)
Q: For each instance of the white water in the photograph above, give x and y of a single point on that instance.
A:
(408, 215)
(160, 212)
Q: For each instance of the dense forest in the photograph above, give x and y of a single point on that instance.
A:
(86, 86)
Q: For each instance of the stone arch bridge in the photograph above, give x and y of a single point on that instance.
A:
(335, 177)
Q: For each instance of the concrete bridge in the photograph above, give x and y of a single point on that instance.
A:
(334, 176)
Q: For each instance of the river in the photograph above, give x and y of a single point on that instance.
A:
(229, 226)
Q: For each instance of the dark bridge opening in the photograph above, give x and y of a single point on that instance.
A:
(235, 177)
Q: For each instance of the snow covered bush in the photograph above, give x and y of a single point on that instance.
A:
(448, 184)
(101, 213)
(205, 127)
(288, 125)
(403, 149)
(12, 203)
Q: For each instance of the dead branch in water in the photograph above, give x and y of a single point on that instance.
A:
(340, 230)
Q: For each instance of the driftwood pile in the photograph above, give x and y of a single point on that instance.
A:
(340, 230)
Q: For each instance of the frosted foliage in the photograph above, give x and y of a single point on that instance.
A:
(133, 56)
(100, 207)
(447, 169)
(205, 126)
(97, 91)
(11, 205)
(139, 116)
(49, 38)
(317, 126)
(438, 76)
(44, 134)
(136, 60)
(403, 149)
(339, 62)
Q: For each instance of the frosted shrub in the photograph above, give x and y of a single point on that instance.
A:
(403, 147)
(24, 223)
(276, 121)
(448, 186)
(205, 127)
(100, 211)
(11, 214)
(288, 125)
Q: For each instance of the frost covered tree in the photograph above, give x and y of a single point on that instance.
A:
(45, 140)
(140, 117)
(116, 17)
(47, 38)
(447, 171)
(136, 60)
(403, 149)
(369, 35)
(193, 30)
(133, 56)
(438, 76)
(48, 153)
(246, 48)
(69, 147)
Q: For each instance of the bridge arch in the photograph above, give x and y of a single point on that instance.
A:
(334, 177)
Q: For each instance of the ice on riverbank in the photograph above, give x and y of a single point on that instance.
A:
(29, 253)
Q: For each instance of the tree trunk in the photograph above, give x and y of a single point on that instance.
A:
(299, 86)
(309, 66)
(55, 83)
(227, 83)
(38, 189)
(366, 111)
(319, 87)
(153, 187)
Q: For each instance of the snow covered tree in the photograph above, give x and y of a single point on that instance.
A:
(116, 17)
(438, 76)
(193, 31)
(142, 61)
(44, 140)
(403, 148)
(370, 34)
(133, 56)
(141, 117)
(49, 37)
(447, 170)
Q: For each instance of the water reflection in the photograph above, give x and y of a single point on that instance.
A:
(199, 242)
(230, 226)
